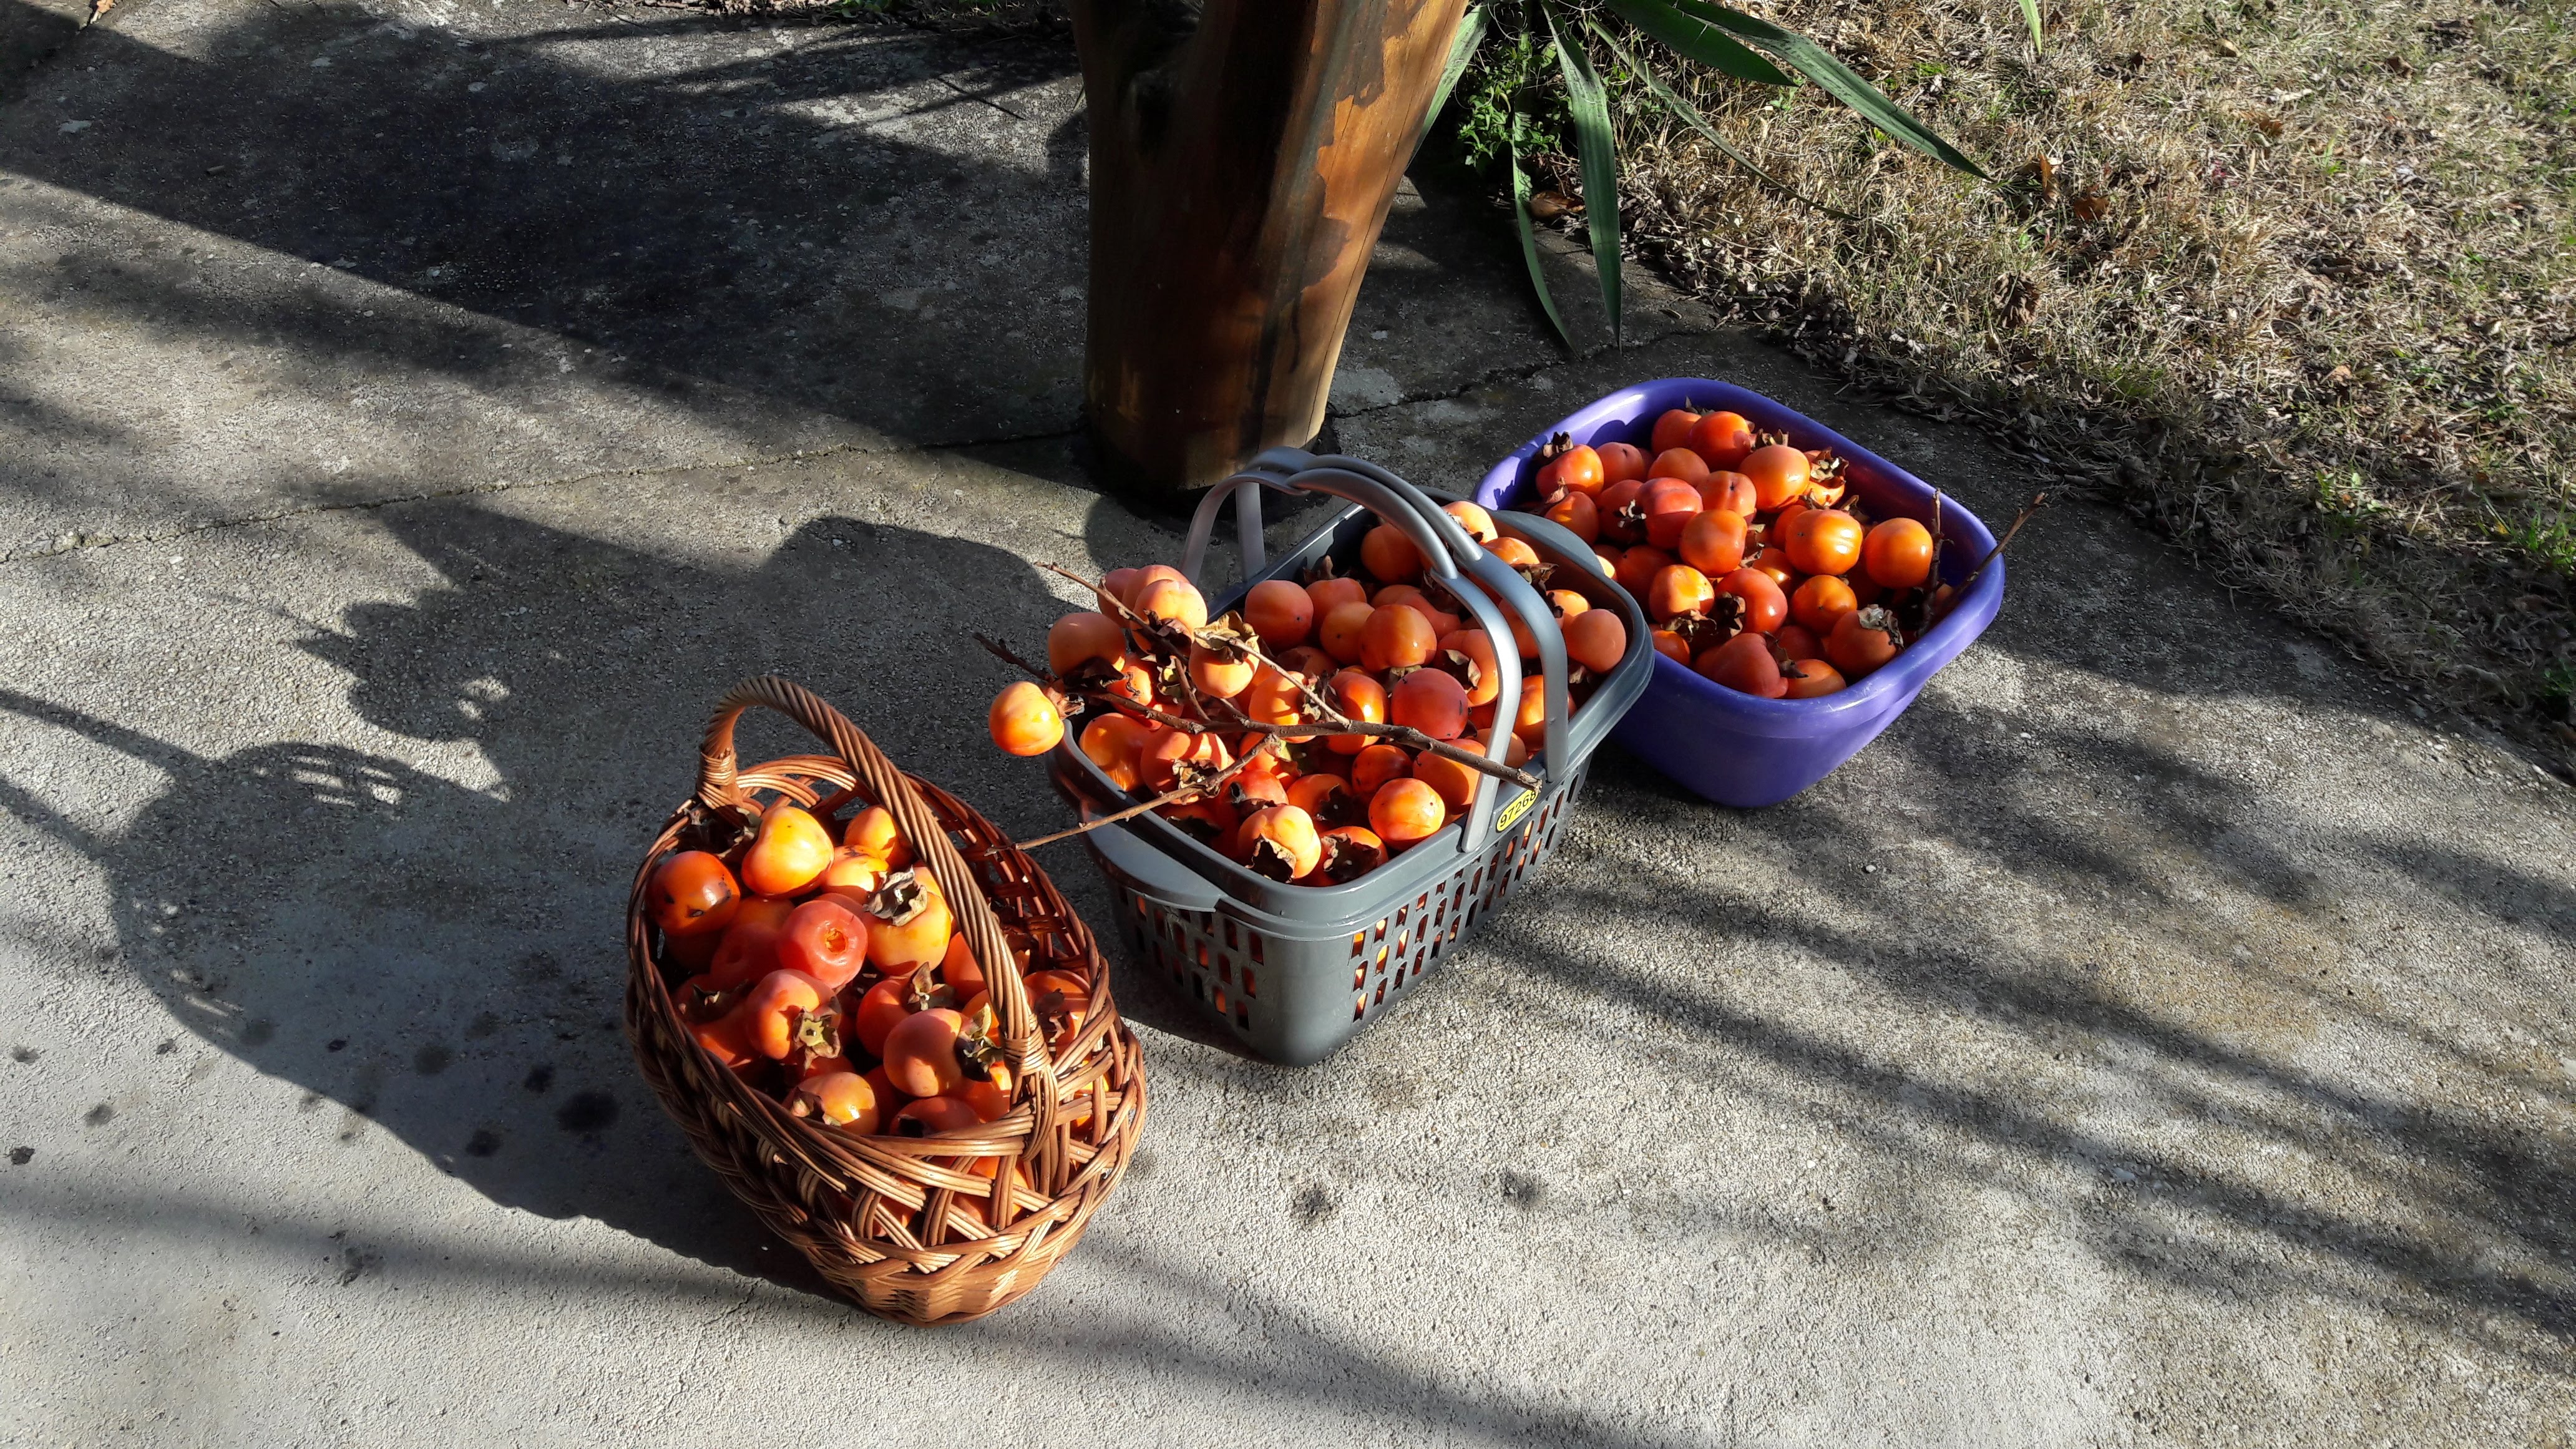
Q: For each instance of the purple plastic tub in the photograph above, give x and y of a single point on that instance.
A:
(1728, 746)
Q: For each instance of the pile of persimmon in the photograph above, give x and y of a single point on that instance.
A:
(1209, 718)
(821, 966)
(1757, 567)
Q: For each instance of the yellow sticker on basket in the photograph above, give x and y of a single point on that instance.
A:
(1510, 815)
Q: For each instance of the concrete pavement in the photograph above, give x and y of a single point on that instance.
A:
(2161, 1035)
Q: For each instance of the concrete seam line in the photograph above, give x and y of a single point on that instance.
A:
(96, 540)
(1516, 374)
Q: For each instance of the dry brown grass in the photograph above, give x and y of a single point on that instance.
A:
(2295, 280)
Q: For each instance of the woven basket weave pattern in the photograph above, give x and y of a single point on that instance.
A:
(854, 1205)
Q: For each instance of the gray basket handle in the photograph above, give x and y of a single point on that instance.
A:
(1483, 583)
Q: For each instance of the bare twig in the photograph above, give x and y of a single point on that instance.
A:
(2029, 510)
(1168, 797)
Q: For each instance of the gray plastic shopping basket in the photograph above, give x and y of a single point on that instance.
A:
(1293, 971)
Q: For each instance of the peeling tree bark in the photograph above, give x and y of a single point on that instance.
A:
(1243, 156)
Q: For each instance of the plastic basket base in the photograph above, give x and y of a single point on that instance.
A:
(1295, 999)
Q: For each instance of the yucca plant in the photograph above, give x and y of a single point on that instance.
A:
(1727, 41)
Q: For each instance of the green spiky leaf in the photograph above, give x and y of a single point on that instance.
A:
(1689, 116)
(1529, 235)
(1698, 40)
(2030, 12)
(1819, 65)
(1462, 49)
(1590, 106)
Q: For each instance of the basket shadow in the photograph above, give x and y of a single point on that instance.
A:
(428, 937)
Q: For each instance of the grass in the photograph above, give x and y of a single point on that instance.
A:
(2292, 280)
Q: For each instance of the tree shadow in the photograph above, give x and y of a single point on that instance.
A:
(425, 935)
(750, 221)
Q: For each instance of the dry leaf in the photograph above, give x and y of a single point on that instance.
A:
(98, 8)
(2090, 206)
(1549, 205)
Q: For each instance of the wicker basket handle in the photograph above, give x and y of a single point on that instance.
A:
(1033, 1072)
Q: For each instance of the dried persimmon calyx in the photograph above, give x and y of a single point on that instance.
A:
(900, 898)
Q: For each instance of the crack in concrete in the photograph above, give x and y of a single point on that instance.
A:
(81, 542)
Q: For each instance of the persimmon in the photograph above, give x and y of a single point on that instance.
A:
(1513, 552)
(1515, 752)
(1713, 542)
(1282, 614)
(1269, 762)
(1396, 636)
(854, 874)
(1595, 639)
(1342, 630)
(1577, 515)
(989, 1095)
(825, 940)
(1672, 430)
(1637, 567)
(1309, 661)
(1173, 751)
(1863, 640)
(1722, 438)
(1112, 741)
(1779, 473)
(1023, 721)
(1898, 554)
(1773, 560)
(1406, 595)
(1388, 553)
(1172, 601)
(1405, 812)
(1623, 519)
(1087, 640)
(1823, 541)
(880, 1007)
(1681, 464)
(1062, 1002)
(1797, 641)
(959, 971)
(1376, 765)
(1250, 793)
(1864, 588)
(1677, 590)
(1325, 593)
(1119, 583)
(1431, 701)
(726, 1040)
(1731, 491)
(921, 1053)
(1453, 782)
(1744, 663)
(836, 1099)
(1577, 470)
(1766, 607)
(1529, 718)
(693, 894)
(873, 832)
(1360, 698)
(1473, 518)
(1469, 653)
(1670, 645)
(889, 1101)
(1821, 600)
(774, 1012)
(790, 849)
(908, 922)
(931, 1116)
(1349, 852)
(1621, 461)
(1218, 671)
(1810, 678)
(1326, 799)
(1145, 578)
(1669, 505)
(749, 949)
(1280, 843)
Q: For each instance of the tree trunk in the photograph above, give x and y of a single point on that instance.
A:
(1243, 156)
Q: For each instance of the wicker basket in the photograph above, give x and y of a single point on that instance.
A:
(855, 1205)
